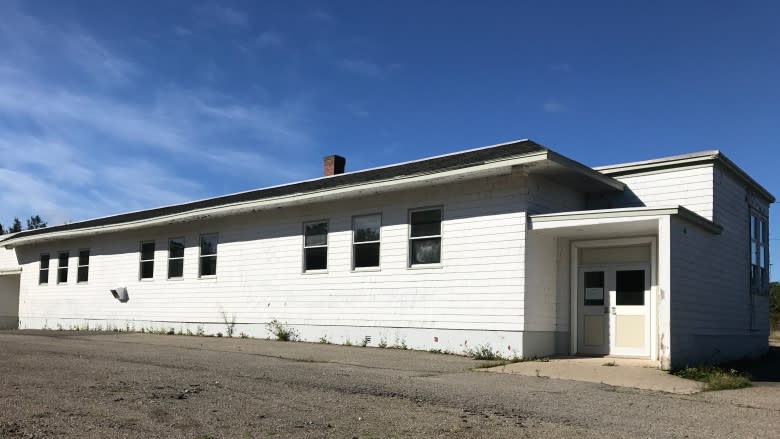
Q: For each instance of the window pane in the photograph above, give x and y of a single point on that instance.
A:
(43, 276)
(367, 255)
(208, 245)
(44, 261)
(630, 287)
(753, 253)
(426, 223)
(84, 257)
(82, 274)
(594, 288)
(62, 275)
(762, 256)
(367, 228)
(316, 258)
(753, 227)
(316, 234)
(176, 248)
(760, 235)
(425, 251)
(175, 268)
(208, 265)
(147, 251)
(63, 259)
(147, 270)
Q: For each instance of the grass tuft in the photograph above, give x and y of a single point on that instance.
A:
(281, 331)
(715, 378)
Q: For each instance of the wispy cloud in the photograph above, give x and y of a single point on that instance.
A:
(365, 68)
(223, 15)
(561, 67)
(270, 38)
(106, 140)
(554, 107)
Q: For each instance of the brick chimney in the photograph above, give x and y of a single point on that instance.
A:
(333, 165)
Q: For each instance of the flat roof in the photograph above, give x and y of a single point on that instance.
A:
(713, 156)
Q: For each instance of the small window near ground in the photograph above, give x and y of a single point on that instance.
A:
(425, 237)
(208, 255)
(365, 240)
(147, 260)
(62, 267)
(759, 254)
(315, 246)
(82, 272)
(175, 258)
(43, 270)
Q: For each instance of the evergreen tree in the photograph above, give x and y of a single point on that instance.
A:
(35, 222)
(16, 227)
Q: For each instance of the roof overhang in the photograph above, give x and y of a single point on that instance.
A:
(619, 219)
(544, 162)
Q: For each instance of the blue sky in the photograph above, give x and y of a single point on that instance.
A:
(113, 106)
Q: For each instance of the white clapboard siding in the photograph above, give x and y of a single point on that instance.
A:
(690, 187)
(7, 258)
(710, 294)
(479, 285)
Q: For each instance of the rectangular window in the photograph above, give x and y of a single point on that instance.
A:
(759, 254)
(43, 270)
(208, 255)
(594, 288)
(425, 237)
(366, 231)
(175, 258)
(82, 272)
(315, 246)
(147, 260)
(62, 267)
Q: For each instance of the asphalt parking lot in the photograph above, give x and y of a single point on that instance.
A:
(76, 384)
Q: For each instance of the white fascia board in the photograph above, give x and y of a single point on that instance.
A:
(286, 200)
(607, 216)
(8, 271)
(654, 163)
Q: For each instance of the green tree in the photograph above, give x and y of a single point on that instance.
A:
(35, 222)
(774, 299)
(16, 227)
(2, 230)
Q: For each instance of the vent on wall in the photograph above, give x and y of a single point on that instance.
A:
(120, 294)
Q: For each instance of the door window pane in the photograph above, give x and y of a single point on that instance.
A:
(630, 287)
(594, 288)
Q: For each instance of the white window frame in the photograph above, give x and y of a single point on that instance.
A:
(79, 265)
(761, 252)
(410, 239)
(59, 267)
(47, 269)
(305, 247)
(141, 260)
(377, 241)
(184, 246)
(201, 255)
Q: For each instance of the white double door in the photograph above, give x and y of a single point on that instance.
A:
(613, 304)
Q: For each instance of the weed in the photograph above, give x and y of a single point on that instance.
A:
(219, 334)
(59, 327)
(171, 331)
(324, 339)
(435, 351)
(188, 332)
(715, 378)
(382, 343)
(281, 331)
(365, 341)
(243, 335)
(199, 331)
(484, 352)
(230, 324)
(348, 342)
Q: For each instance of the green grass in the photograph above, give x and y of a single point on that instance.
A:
(715, 378)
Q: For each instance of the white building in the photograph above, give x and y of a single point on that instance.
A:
(511, 245)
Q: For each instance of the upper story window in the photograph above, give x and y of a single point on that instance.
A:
(759, 254)
(424, 236)
(315, 246)
(365, 240)
(62, 267)
(82, 272)
(208, 255)
(175, 258)
(43, 270)
(146, 269)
